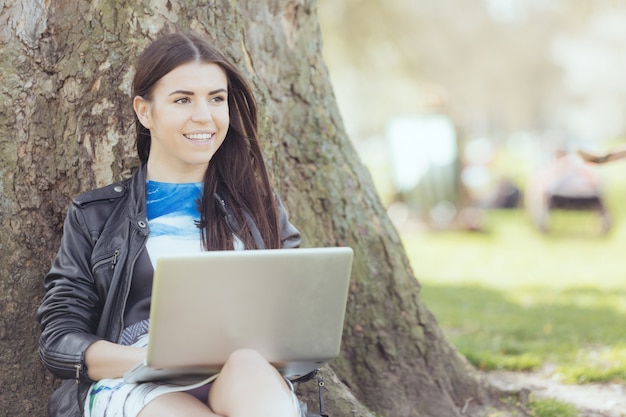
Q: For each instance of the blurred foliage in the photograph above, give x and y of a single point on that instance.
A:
(499, 67)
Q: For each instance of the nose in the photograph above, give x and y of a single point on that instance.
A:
(201, 112)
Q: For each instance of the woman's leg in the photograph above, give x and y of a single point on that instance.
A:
(248, 386)
(176, 404)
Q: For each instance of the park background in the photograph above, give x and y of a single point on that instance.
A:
(446, 101)
(53, 73)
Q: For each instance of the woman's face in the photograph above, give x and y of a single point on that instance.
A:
(188, 120)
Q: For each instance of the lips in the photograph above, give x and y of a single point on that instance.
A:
(199, 136)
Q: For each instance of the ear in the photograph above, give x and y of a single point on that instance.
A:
(142, 110)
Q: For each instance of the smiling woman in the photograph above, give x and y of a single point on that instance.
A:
(187, 116)
(202, 185)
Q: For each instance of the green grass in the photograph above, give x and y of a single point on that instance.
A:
(512, 298)
(536, 407)
(550, 408)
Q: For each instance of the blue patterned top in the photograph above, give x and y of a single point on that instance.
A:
(172, 215)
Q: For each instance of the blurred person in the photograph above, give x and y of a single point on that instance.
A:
(567, 183)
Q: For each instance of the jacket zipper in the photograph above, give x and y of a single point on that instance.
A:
(79, 368)
(127, 289)
(112, 259)
(230, 218)
(61, 365)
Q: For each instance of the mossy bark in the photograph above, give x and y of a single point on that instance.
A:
(66, 126)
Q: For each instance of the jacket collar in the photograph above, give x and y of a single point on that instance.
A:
(137, 200)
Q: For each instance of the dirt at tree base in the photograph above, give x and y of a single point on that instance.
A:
(592, 400)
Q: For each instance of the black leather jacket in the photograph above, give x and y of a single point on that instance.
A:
(105, 230)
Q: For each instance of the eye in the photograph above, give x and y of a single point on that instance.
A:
(182, 100)
(218, 99)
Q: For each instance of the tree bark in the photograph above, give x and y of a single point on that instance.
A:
(66, 127)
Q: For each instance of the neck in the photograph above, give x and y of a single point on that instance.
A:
(193, 173)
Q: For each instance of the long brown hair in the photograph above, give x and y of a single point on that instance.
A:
(237, 169)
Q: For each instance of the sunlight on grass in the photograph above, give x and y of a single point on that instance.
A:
(550, 408)
(512, 298)
(536, 407)
(597, 365)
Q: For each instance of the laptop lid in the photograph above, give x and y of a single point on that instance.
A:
(288, 304)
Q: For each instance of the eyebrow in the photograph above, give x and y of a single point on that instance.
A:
(191, 93)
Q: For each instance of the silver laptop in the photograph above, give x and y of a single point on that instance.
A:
(288, 304)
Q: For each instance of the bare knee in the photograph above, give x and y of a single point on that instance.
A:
(247, 375)
(247, 362)
(246, 370)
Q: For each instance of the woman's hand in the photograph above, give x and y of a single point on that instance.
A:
(109, 360)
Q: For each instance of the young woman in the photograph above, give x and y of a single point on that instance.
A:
(201, 185)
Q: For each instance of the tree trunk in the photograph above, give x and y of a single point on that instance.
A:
(66, 127)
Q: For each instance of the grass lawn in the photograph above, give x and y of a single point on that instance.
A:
(512, 298)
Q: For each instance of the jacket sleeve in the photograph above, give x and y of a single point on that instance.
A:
(69, 311)
(289, 236)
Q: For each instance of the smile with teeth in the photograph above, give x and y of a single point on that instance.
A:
(199, 136)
